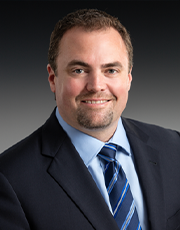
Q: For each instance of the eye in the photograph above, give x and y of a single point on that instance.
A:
(111, 71)
(78, 71)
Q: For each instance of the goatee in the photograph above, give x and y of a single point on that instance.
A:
(94, 121)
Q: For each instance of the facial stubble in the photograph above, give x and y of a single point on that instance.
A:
(91, 120)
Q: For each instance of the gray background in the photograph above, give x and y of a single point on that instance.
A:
(25, 97)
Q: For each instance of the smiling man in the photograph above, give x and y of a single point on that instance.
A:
(92, 80)
(88, 167)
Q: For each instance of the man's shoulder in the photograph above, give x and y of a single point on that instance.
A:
(30, 148)
(25, 145)
(146, 127)
(156, 134)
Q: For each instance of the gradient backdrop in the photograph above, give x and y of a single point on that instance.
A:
(25, 98)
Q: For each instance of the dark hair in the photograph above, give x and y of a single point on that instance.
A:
(89, 19)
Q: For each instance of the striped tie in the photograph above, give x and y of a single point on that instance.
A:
(122, 203)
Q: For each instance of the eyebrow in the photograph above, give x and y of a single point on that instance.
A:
(113, 64)
(77, 62)
(81, 63)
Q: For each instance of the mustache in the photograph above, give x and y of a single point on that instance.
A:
(97, 96)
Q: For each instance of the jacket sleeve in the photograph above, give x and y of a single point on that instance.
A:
(12, 216)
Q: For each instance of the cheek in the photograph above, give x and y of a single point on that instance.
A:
(69, 91)
(122, 98)
(120, 90)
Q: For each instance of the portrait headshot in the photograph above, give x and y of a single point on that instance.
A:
(90, 131)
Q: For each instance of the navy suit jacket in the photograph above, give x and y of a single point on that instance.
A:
(44, 184)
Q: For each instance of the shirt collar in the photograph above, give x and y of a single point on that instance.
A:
(87, 146)
(119, 138)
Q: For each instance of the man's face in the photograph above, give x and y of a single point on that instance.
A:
(92, 81)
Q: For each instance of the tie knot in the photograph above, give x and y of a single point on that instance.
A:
(108, 152)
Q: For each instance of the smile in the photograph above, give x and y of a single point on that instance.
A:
(96, 102)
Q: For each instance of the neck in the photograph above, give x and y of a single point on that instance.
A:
(102, 134)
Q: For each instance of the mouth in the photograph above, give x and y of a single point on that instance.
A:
(95, 101)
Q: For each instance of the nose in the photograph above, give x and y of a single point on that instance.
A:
(96, 82)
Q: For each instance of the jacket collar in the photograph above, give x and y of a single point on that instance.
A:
(149, 170)
(69, 171)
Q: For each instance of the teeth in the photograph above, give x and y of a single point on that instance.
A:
(96, 102)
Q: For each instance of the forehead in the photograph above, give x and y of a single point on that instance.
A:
(80, 43)
(80, 33)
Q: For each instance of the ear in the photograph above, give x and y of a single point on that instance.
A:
(51, 78)
(129, 79)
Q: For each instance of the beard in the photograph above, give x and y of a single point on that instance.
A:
(94, 119)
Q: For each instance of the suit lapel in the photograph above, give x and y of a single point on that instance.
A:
(148, 166)
(69, 171)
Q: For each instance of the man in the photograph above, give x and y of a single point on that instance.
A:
(56, 177)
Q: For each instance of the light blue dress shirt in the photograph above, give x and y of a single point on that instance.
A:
(88, 147)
